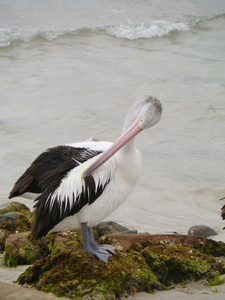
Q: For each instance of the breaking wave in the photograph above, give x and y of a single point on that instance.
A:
(127, 30)
(146, 30)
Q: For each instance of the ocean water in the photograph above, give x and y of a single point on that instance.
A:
(70, 70)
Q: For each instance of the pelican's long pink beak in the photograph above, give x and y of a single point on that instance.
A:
(130, 133)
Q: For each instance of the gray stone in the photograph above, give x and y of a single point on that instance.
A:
(110, 227)
(8, 220)
(201, 230)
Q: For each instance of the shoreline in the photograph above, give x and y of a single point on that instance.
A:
(190, 291)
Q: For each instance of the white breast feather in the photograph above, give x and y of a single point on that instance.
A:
(122, 170)
(73, 184)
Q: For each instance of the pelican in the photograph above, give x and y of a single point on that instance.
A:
(223, 211)
(80, 184)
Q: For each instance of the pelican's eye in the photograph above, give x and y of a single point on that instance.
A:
(141, 120)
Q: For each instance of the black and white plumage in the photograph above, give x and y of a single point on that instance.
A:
(80, 184)
(223, 211)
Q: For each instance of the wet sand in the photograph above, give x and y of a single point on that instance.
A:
(192, 291)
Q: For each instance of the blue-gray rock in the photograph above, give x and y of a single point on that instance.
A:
(8, 220)
(201, 230)
(110, 227)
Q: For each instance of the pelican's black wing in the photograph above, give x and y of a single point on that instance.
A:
(50, 166)
(45, 175)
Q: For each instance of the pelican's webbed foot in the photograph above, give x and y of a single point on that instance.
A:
(103, 247)
(90, 246)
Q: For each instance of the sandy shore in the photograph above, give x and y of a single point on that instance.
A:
(192, 291)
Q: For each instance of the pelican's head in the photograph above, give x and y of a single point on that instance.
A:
(145, 112)
(150, 113)
(142, 115)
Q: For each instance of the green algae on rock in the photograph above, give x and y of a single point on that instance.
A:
(15, 217)
(177, 264)
(15, 206)
(211, 247)
(218, 280)
(69, 271)
(4, 234)
(19, 249)
(77, 274)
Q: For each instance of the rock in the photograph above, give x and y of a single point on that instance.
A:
(66, 240)
(174, 264)
(8, 220)
(214, 248)
(15, 221)
(15, 216)
(80, 275)
(14, 206)
(218, 280)
(3, 236)
(145, 266)
(201, 230)
(128, 240)
(109, 227)
(19, 249)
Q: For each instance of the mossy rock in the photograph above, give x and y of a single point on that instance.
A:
(211, 247)
(15, 206)
(69, 271)
(4, 234)
(20, 250)
(79, 274)
(16, 217)
(218, 280)
(177, 264)
(65, 240)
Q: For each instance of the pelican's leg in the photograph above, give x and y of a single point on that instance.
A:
(89, 247)
(109, 248)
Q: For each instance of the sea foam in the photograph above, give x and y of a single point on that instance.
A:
(133, 31)
(127, 30)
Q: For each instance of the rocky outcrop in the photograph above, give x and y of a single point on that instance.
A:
(143, 262)
(146, 265)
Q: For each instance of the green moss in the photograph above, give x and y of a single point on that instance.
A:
(7, 225)
(71, 272)
(210, 247)
(20, 223)
(63, 241)
(176, 263)
(10, 257)
(76, 273)
(29, 254)
(15, 206)
(23, 223)
(218, 280)
(20, 250)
